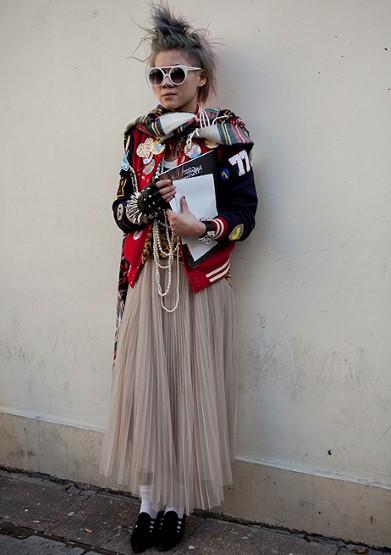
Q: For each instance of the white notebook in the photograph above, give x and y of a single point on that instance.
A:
(201, 199)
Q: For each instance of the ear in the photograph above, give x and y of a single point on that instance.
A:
(203, 78)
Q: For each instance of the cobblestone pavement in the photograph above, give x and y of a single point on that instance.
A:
(43, 516)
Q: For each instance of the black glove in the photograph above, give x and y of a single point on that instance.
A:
(150, 201)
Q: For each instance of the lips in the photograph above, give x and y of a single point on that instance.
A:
(168, 95)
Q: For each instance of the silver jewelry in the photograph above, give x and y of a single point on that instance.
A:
(208, 237)
(210, 233)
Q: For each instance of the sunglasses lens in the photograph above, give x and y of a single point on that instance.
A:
(155, 77)
(177, 75)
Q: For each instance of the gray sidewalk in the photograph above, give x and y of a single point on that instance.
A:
(42, 516)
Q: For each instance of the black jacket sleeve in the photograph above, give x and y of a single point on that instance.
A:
(237, 199)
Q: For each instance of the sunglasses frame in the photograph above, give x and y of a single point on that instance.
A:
(185, 69)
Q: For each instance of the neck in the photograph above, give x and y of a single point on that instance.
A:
(194, 109)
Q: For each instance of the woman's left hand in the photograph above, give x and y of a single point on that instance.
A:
(185, 223)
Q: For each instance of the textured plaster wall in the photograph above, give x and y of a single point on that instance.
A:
(313, 81)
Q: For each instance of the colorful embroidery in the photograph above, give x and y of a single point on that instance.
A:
(145, 149)
(125, 163)
(121, 187)
(158, 148)
(236, 233)
(150, 167)
(225, 174)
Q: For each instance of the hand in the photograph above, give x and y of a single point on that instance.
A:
(185, 223)
(166, 189)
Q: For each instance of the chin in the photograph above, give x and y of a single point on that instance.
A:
(170, 104)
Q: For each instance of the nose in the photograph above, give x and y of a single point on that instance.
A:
(166, 80)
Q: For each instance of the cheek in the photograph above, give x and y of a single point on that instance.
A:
(189, 89)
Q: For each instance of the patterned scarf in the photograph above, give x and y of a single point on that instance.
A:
(213, 124)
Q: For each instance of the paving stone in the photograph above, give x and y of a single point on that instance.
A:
(34, 545)
(12, 546)
(358, 550)
(36, 505)
(88, 492)
(22, 477)
(99, 521)
(119, 543)
(44, 546)
(216, 537)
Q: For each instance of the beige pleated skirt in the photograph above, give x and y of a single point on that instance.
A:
(172, 420)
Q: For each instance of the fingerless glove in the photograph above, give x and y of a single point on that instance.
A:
(145, 205)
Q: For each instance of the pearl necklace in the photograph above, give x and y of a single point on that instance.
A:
(157, 251)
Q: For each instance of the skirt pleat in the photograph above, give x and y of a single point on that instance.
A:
(172, 418)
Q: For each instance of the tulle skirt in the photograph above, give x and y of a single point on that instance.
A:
(172, 418)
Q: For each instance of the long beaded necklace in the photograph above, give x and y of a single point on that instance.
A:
(177, 148)
(159, 252)
(173, 252)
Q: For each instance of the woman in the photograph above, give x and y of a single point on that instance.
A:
(171, 433)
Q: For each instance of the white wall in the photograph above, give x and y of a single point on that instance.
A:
(313, 80)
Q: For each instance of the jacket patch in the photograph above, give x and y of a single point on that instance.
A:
(236, 233)
(125, 163)
(121, 187)
(120, 212)
(225, 174)
(241, 160)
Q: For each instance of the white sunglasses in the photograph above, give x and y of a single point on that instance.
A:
(176, 74)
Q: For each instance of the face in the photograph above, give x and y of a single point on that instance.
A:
(178, 98)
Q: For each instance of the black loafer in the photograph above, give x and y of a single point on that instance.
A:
(144, 532)
(170, 530)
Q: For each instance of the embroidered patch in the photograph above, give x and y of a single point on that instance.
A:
(120, 212)
(121, 187)
(148, 159)
(210, 144)
(225, 174)
(241, 160)
(144, 149)
(194, 151)
(236, 233)
(125, 163)
(150, 167)
(158, 148)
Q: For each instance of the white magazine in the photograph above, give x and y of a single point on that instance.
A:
(201, 199)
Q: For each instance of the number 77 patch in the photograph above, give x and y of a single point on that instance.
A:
(241, 160)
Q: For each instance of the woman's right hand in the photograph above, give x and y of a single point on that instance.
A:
(166, 189)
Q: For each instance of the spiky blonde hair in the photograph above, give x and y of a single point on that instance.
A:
(171, 32)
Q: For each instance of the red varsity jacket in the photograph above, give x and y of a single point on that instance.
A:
(236, 201)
